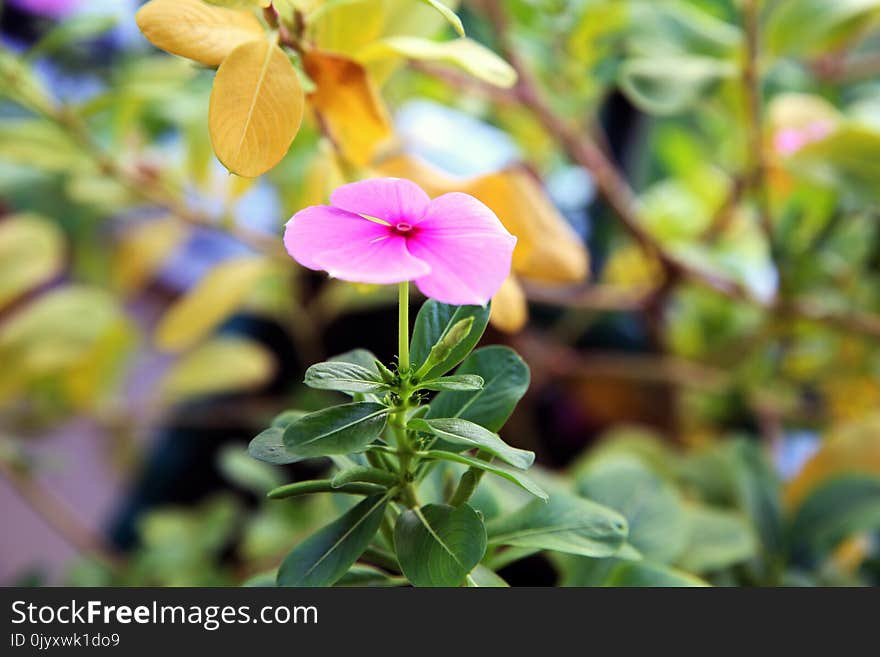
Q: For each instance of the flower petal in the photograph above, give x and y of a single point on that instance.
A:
(321, 228)
(391, 199)
(382, 261)
(468, 249)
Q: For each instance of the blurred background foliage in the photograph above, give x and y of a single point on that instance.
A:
(694, 185)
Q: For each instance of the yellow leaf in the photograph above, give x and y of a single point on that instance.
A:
(509, 311)
(348, 105)
(196, 30)
(256, 108)
(216, 297)
(31, 253)
(465, 53)
(97, 373)
(434, 181)
(143, 249)
(547, 250)
(854, 448)
(221, 365)
(58, 332)
(631, 268)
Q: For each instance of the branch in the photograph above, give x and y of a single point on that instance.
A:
(58, 516)
(752, 91)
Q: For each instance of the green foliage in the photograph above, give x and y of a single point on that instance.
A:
(438, 545)
(326, 556)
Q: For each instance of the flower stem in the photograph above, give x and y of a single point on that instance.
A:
(403, 327)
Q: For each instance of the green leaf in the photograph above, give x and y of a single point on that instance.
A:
(365, 474)
(324, 557)
(657, 520)
(433, 322)
(470, 435)
(673, 83)
(286, 417)
(513, 476)
(244, 471)
(362, 357)
(448, 14)
(466, 53)
(31, 253)
(643, 574)
(804, 27)
(299, 488)
(505, 381)
(482, 577)
(72, 30)
(438, 545)
(269, 446)
(344, 377)
(335, 430)
(836, 509)
(716, 539)
(565, 524)
(265, 579)
(455, 383)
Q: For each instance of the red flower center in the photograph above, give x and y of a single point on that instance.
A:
(402, 228)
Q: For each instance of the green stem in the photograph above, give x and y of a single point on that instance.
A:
(397, 419)
(403, 327)
(469, 482)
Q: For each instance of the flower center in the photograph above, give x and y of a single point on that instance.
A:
(403, 227)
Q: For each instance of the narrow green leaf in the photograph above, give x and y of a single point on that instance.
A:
(506, 379)
(565, 524)
(299, 488)
(513, 476)
(455, 383)
(438, 545)
(468, 434)
(448, 14)
(433, 322)
(324, 557)
(335, 430)
(344, 377)
(364, 474)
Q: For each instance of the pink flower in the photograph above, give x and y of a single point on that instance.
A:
(388, 230)
(790, 140)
